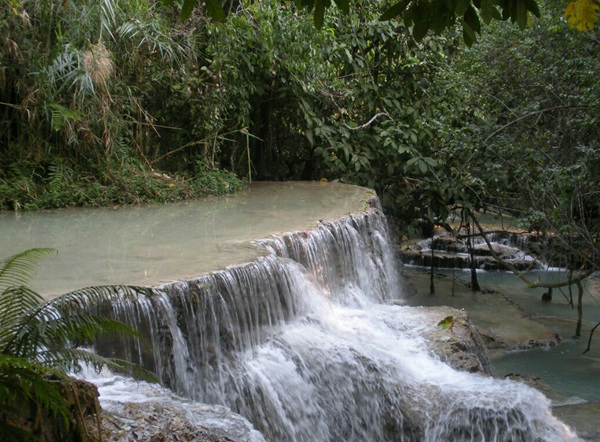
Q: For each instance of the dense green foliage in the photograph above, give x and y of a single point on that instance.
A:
(133, 105)
(529, 140)
(85, 92)
(420, 16)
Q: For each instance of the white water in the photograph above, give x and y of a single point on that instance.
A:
(303, 344)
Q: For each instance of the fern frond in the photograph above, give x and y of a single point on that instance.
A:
(22, 381)
(16, 301)
(85, 298)
(18, 269)
(74, 359)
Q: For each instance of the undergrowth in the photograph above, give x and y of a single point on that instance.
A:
(26, 186)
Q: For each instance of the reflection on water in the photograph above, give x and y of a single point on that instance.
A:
(148, 245)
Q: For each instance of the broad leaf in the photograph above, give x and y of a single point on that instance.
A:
(215, 9)
(395, 11)
(319, 13)
(344, 5)
(187, 8)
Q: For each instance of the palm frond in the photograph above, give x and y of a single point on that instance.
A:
(16, 301)
(87, 297)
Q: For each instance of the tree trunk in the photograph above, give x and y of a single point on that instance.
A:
(431, 284)
(579, 309)
(474, 282)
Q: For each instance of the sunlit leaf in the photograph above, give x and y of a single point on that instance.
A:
(582, 14)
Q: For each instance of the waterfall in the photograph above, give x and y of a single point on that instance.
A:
(305, 344)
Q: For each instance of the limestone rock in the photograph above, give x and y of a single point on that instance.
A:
(460, 346)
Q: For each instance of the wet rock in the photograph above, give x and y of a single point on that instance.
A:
(158, 421)
(461, 345)
(577, 413)
(82, 411)
(451, 252)
(584, 416)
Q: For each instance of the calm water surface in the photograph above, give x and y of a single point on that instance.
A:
(153, 244)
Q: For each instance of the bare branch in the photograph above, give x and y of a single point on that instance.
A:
(368, 123)
(530, 284)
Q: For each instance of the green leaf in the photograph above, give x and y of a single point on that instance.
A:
(18, 269)
(309, 135)
(461, 7)
(522, 14)
(489, 12)
(468, 34)
(186, 8)
(420, 29)
(394, 11)
(215, 9)
(305, 4)
(472, 20)
(319, 13)
(344, 5)
(447, 322)
(533, 7)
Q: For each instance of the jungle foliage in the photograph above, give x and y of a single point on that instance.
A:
(530, 146)
(86, 90)
(117, 102)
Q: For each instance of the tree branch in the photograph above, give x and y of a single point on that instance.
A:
(531, 114)
(532, 285)
(590, 339)
(368, 123)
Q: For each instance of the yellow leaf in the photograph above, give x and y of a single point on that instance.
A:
(582, 14)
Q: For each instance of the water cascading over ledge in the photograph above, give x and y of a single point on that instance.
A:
(304, 343)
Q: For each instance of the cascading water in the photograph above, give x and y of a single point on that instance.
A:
(304, 344)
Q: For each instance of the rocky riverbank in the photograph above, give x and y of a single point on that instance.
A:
(503, 327)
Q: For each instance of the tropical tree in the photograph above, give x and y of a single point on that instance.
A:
(526, 144)
(40, 341)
